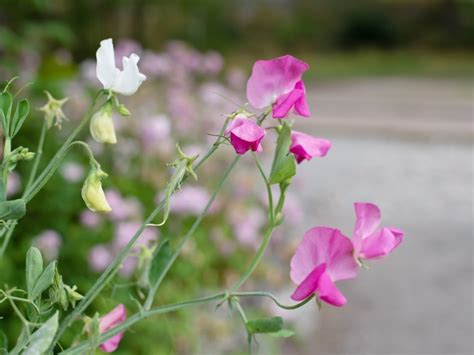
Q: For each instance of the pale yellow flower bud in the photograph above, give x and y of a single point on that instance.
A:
(92, 192)
(102, 126)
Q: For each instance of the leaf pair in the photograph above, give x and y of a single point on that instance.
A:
(12, 122)
(37, 279)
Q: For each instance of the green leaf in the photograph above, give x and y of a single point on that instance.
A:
(160, 259)
(41, 340)
(265, 325)
(22, 110)
(284, 164)
(6, 101)
(283, 333)
(14, 209)
(34, 268)
(44, 281)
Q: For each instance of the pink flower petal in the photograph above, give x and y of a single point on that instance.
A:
(245, 134)
(304, 146)
(272, 78)
(110, 320)
(285, 102)
(301, 106)
(381, 243)
(328, 291)
(309, 284)
(324, 245)
(368, 218)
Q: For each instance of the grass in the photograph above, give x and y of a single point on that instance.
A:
(369, 63)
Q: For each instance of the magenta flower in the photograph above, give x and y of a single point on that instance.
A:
(305, 147)
(324, 256)
(245, 135)
(370, 241)
(110, 320)
(277, 82)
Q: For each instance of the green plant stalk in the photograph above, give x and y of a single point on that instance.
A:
(82, 347)
(109, 273)
(48, 171)
(197, 222)
(39, 153)
(7, 148)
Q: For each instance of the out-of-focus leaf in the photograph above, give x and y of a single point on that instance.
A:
(3, 191)
(34, 268)
(159, 261)
(6, 101)
(41, 340)
(22, 110)
(265, 325)
(14, 209)
(283, 333)
(3, 343)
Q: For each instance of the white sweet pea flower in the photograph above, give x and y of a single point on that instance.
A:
(126, 81)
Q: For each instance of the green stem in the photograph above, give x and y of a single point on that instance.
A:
(256, 259)
(39, 153)
(271, 212)
(109, 273)
(84, 346)
(197, 222)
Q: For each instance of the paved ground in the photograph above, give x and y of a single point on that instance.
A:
(407, 146)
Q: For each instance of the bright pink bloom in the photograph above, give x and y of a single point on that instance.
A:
(110, 320)
(277, 82)
(245, 134)
(324, 256)
(369, 240)
(306, 147)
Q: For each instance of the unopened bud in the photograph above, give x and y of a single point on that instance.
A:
(102, 127)
(92, 192)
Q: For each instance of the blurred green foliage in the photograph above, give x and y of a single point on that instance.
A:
(242, 25)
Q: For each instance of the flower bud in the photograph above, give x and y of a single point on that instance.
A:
(92, 192)
(102, 126)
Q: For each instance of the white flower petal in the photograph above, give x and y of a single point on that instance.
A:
(106, 70)
(129, 80)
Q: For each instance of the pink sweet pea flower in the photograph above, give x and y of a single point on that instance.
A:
(324, 256)
(370, 241)
(110, 320)
(277, 82)
(245, 134)
(304, 146)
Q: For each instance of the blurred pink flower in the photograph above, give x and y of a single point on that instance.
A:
(100, 257)
(236, 78)
(128, 266)
(14, 184)
(212, 63)
(90, 219)
(49, 242)
(154, 64)
(277, 82)
(247, 226)
(154, 130)
(304, 146)
(370, 241)
(324, 256)
(115, 317)
(124, 231)
(190, 200)
(245, 134)
(72, 172)
(122, 208)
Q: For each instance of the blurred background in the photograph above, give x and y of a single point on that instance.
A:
(390, 84)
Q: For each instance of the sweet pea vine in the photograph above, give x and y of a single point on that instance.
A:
(48, 306)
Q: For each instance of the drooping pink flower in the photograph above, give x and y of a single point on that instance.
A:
(304, 146)
(49, 242)
(115, 317)
(245, 134)
(370, 241)
(277, 83)
(323, 257)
